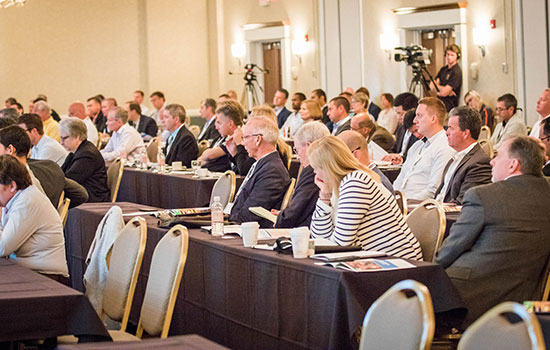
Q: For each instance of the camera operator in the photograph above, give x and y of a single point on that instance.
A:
(449, 78)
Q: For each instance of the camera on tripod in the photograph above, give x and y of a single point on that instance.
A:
(414, 55)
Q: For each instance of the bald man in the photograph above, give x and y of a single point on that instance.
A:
(77, 109)
(357, 144)
(364, 125)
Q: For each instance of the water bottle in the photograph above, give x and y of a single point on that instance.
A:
(144, 159)
(216, 212)
(161, 161)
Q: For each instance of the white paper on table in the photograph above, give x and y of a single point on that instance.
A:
(360, 254)
(142, 213)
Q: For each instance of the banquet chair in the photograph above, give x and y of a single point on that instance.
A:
(114, 175)
(63, 210)
(162, 288)
(401, 202)
(484, 133)
(288, 194)
(224, 188)
(99, 142)
(153, 149)
(487, 146)
(546, 282)
(203, 146)
(399, 319)
(427, 223)
(289, 160)
(195, 130)
(495, 331)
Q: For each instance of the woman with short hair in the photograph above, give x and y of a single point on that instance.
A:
(310, 111)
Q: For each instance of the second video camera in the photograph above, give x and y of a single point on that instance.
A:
(413, 55)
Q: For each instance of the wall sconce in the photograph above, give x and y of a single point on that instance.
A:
(299, 46)
(481, 38)
(238, 51)
(388, 41)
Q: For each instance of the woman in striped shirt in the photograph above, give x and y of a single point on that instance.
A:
(363, 212)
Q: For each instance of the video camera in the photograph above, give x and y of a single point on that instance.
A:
(414, 55)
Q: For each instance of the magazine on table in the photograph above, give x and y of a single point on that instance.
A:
(370, 265)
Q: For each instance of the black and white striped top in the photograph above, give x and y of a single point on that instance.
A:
(367, 215)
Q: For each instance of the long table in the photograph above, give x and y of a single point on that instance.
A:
(184, 342)
(36, 307)
(166, 191)
(250, 299)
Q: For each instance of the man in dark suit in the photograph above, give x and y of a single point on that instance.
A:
(181, 144)
(267, 180)
(145, 125)
(279, 100)
(470, 166)
(498, 248)
(402, 103)
(209, 131)
(374, 110)
(93, 104)
(319, 96)
(365, 125)
(544, 136)
(338, 112)
(407, 139)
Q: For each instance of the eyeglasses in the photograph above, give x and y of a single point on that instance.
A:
(244, 137)
(357, 149)
(545, 138)
(498, 109)
(63, 138)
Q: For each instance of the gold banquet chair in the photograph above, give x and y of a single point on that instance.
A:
(427, 223)
(153, 149)
(398, 321)
(288, 194)
(401, 202)
(484, 133)
(203, 146)
(546, 282)
(162, 288)
(195, 130)
(63, 208)
(494, 331)
(114, 175)
(487, 147)
(224, 188)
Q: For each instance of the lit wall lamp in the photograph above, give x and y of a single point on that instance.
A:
(238, 51)
(388, 41)
(299, 46)
(481, 38)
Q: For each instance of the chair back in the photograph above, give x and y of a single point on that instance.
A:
(224, 188)
(397, 320)
(487, 147)
(289, 154)
(164, 281)
(195, 130)
(401, 202)
(99, 142)
(427, 223)
(493, 330)
(153, 149)
(288, 194)
(125, 262)
(484, 133)
(114, 175)
(63, 210)
(203, 146)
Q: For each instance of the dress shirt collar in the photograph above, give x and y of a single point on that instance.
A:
(120, 130)
(461, 154)
(173, 135)
(342, 122)
(12, 200)
(278, 109)
(438, 135)
(41, 143)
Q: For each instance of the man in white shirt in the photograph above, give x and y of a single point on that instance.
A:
(543, 109)
(363, 124)
(126, 141)
(293, 122)
(159, 102)
(77, 109)
(510, 123)
(44, 147)
(338, 112)
(139, 97)
(421, 173)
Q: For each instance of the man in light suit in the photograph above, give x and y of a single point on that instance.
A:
(470, 166)
(267, 180)
(498, 248)
(510, 124)
(181, 144)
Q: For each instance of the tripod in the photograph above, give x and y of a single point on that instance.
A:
(249, 96)
(420, 86)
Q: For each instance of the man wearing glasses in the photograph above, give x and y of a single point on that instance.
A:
(44, 147)
(510, 124)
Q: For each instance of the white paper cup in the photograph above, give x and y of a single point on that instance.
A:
(177, 165)
(249, 232)
(300, 242)
(202, 172)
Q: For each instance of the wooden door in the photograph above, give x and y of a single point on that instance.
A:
(437, 40)
(272, 62)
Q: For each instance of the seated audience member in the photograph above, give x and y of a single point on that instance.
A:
(469, 167)
(421, 173)
(353, 203)
(42, 97)
(358, 104)
(50, 126)
(412, 135)
(310, 111)
(338, 112)
(473, 100)
(139, 97)
(267, 180)
(496, 253)
(302, 204)
(159, 102)
(19, 108)
(46, 175)
(544, 136)
(402, 104)
(543, 110)
(357, 144)
(232, 94)
(77, 109)
(388, 117)
(294, 121)
(224, 98)
(382, 139)
(319, 96)
(32, 232)
(84, 164)
(372, 108)
(279, 101)
(181, 144)
(145, 125)
(511, 125)
(125, 141)
(93, 105)
(208, 113)
(9, 113)
(10, 101)
(44, 147)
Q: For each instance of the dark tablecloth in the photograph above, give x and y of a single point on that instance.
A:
(252, 299)
(168, 191)
(184, 342)
(36, 307)
(544, 320)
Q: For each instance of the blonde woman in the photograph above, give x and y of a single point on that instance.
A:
(359, 103)
(310, 111)
(364, 212)
(473, 100)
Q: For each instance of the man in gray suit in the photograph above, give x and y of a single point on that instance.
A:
(498, 248)
(469, 167)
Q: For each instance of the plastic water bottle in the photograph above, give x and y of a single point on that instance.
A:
(144, 159)
(216, 212)
(161, 160)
